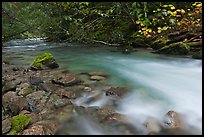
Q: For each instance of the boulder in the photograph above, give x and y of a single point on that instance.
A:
(65, 79)
(12, 102)
(47, 86)
(10, 85)
(37, 100)
(153, 126)
(45, 60)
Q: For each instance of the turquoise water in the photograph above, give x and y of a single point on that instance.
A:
(159, 83)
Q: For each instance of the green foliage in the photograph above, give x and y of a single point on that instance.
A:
(19, 122)
(108, 21)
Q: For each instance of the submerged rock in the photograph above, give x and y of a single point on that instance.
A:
(98, 78)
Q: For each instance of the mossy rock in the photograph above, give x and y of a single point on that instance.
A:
(45, 59)
(19, 122)
(159, 43)
(197, 55)
(178, 48)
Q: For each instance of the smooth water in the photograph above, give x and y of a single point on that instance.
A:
(158, 83)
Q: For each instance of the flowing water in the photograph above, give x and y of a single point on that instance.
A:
(158, 83)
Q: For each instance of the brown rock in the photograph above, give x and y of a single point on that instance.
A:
(14, 103)
(118, 91)
(65, 79)
(173, 119)
(70, 94)
(6, 126)
(34, 130)
(31, 115)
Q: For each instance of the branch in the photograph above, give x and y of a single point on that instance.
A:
(102, 42)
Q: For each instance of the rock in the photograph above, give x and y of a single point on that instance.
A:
(45, 127)
(10, 85)
(116, 91)
(172, 120)
(47, 86)
(31, 115)
(98, 73)
(24, 89)
(15, 69)
(98, 78)
(34, 130)
(65, 79)
(70, 94)
(37, 100)
(56, 102)
(35, 81)
(178, 48)
(152, 125)
(12, 102)
(6, 126)
(45, 60)
(19, 122)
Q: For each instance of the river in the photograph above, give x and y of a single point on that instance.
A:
(158, 83)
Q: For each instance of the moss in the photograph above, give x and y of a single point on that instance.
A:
(178, 48)
(197, 55)
(159, 43)
(19, 122)
(42, 59)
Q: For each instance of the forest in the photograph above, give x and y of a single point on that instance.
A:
(102, 68)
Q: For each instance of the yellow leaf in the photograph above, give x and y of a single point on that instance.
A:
(172, 7)
(159, 31)
(182, 11)
(158, 9)
(159, 28)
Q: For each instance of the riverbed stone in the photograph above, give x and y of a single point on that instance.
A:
(12, 102)
(47, 86)
(116, 91)
(98, 78)
(32, 115)
(173, 119)
(37, 100)
(23, 89)
(6, 126)
(65, 79)
(98, 73)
